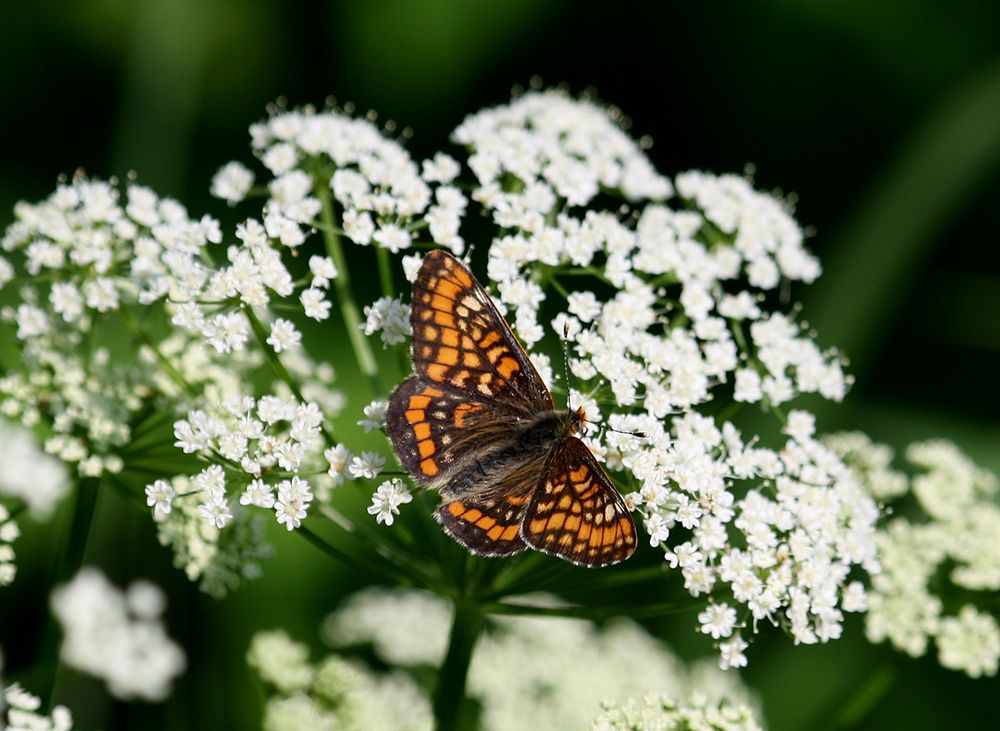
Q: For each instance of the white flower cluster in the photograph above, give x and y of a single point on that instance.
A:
(658, 713)
(9, 532)
(554, 146)
(379, 188)
(28, 474)
(955, 534)
(258, 440)
(117, 636)
(783, 547)
(333, 694)
(21, 711)
(674, 314)
(530, 672)
(390, 317)
(87, 255)
(219, 560)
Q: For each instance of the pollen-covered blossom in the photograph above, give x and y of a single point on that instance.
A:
(387, 499)
(532, 672)
(390, 317)
(374, 415)
(117, 636)
(940, 566)
(264, 439)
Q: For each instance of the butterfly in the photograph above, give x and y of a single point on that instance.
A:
(477, 423)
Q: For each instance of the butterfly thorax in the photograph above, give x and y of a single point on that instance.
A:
(503, 458)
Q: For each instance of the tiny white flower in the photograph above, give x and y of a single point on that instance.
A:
(232, 182)
(387, 499)
(160, 497)
(283, 335)
(366, 466)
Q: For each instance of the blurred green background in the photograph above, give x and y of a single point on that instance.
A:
(883, 119)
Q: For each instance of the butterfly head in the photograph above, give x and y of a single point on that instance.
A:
(577, 420)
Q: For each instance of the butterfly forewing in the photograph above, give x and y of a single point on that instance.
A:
(577, 513)
(462, 343)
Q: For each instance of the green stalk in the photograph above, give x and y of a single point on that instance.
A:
(260, 332)
(449, 697)
(68, 562)
(342, 283)
(175, 375)
(385, 272)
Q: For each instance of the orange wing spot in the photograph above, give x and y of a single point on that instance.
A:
(565, 501)
(495, 532)
(626, 525)
(456, 508)
(448, 356)
(449, 337)
(426, 448)
(508, 366)
(491, 337)
(473, 515)
(415, 416)
(432, 392)
(537, 525)
(463, 410)
(509, 533)
(471, 360)
(461, 275)
(494, 353)
(573, 523)
(579, 474)
(468, 343)
(430, 332)
(442, 303)
(556, 521)
(519, 500)
(437, 371)
(447, 288)
(443, 318)
(596, 537)
(429, 467)
(584, 533)
(486, 522)
(422, 430)
(425, 314)
(419, 402)
(565, 539)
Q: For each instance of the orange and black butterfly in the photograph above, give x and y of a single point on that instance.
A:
(477, 423)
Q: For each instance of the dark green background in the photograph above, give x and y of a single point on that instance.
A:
(882, 118)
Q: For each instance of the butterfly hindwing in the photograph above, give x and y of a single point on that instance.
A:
(462, 343)
(576, 513)
(488, 526)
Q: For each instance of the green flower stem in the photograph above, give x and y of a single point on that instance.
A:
(449, 696)
(260, 332)
(635, 611)
(68, 562)
(410, 571)
(385, 272)
(175, 375)
(855, 708)
(342, 283)
(364, 567)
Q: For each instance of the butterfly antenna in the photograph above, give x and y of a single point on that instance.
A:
(565, 350)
